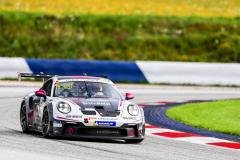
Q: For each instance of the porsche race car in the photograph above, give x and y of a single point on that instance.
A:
(81, 107)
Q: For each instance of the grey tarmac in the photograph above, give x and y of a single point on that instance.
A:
(17, 145)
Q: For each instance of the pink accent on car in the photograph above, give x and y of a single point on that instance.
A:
(76, 99)
(66, 119)
(68, 100)
(70, 130)
(131, 133)
(135, 121)
(121, 102)
(31, 114)
(40, 93)
(129, 96)
(82, 77)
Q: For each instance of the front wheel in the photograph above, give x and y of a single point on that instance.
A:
(23, 118)
(133, 140)
(45, 123)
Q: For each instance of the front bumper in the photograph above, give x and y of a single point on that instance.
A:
(79, 130)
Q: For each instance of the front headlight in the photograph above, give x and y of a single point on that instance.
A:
(133, 110)
(63, 107)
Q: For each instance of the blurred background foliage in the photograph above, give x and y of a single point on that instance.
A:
(173, 30)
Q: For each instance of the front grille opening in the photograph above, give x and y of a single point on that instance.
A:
(99, 107)
(89, 112)
(102, 132)
(113, 113)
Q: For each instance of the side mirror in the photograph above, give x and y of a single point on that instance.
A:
(41, 93)
(129, 96)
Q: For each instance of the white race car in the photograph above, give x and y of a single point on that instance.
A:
(82, 107)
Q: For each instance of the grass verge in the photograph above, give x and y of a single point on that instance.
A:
(119, 37)
(220, 116)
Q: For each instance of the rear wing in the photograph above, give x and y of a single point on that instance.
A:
(41, 75)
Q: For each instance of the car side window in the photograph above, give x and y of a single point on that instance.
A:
(47, 87)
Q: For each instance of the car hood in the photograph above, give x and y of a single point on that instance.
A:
(108, 104)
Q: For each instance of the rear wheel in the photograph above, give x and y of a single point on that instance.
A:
(133, 140)
(45, 123)
(23, 118)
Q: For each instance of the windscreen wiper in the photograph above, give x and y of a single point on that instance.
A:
(90, 96)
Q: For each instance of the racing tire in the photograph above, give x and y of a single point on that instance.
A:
(45, 123)
(23, 118)
(133, 140)
(143, 130)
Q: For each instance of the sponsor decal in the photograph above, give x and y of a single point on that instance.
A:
(107, 132)
(81, 78)
(130, 118)
(57, 123)
(101, 100)
(70, 130)
(64, 86)
(104, 118)
(103, 123)
(73, 116)
(89, 118)
(66, 119)
(96, 103)
(77, 99)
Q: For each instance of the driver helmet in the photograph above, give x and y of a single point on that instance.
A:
(96, 88)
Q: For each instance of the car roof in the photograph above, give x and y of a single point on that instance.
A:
(83, 78)
(79, 77)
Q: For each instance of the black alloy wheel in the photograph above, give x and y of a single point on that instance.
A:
(45, 123)
(23, 118)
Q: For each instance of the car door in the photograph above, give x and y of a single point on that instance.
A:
(39, 103)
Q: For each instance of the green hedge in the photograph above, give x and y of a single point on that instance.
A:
(119, 37)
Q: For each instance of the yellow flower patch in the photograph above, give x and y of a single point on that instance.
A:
(202, 8)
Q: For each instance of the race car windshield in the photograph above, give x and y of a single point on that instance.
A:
(102, 90)
(71, 89)
(88, 89)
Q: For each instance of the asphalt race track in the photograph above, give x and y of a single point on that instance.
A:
(16, 145)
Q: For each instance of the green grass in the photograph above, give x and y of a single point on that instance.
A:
(220, 116)
(119, 37)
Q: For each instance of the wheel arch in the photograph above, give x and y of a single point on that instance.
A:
(49, 106)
